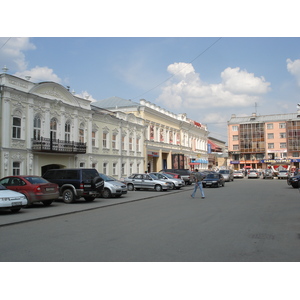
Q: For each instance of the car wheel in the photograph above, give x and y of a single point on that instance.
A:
(15, 210)
(89, 199)
(106, 193)
(47, 202)
(130, 187)
(295, 186)
(158, 188)
(68, 196)
(173, 186)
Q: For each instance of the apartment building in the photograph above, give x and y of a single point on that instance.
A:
(264, 141)
(171, 140)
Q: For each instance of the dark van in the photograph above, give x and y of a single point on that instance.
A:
(76, 183)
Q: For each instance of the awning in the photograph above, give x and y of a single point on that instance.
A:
(214, 146)
(194, 163)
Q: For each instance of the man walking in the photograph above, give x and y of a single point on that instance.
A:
(198, 183)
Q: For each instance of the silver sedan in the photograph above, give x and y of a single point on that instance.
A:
(177, 183)
(147, 181)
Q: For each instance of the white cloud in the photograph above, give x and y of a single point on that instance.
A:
(12, 52)
(294, 68)
(40, 74)
(185, 90)
(86, 95)
(242, 82)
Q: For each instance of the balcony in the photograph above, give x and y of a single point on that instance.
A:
(58, 146)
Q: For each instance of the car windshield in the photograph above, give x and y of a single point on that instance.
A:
(168, 175)
(212, 175)
(2, 187)
(153, 176)
(36, 180)
(224, 172)
(105, 177)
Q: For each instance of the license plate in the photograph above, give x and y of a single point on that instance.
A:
(16, 203)
(208, 183)
(49, 189)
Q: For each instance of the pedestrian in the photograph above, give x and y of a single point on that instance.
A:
(198, 183)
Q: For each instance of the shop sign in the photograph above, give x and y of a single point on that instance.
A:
(235, 162)
(276, 161)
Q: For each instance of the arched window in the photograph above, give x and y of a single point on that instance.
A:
(81, 133)
(37, 128)
(67, 131)
(53, 128)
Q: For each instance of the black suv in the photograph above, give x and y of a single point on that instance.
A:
(185, 174)
(76, 183)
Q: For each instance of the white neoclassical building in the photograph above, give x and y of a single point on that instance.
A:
(43, 125)
(171, 140)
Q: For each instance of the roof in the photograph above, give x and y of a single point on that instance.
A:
(114, 103)
(264, 118)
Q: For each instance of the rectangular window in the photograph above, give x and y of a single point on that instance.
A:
(270, 145)
(270, 135)
(104, 168)
(16, 168)
(282, 125)
(235, 128)
(270, 126)
(282, 135)
(114, 142)
(235, 147)
(114, 168)
(94, 138)
(16, 128)
(104, 140)
(295, 154)
(82, 165)
(137, 145)
(81, 135)
(235, 137)
(130, 143)
(282, 145)
(130, 168)
(123, 169)
(123, 142)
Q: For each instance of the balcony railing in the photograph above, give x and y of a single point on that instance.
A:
(58, 146)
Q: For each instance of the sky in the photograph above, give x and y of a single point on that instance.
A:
(208, 78)
(208, 59)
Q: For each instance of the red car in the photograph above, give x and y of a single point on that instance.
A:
(35, 188)
(173, 174)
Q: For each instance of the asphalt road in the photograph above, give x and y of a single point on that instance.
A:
(249, 220)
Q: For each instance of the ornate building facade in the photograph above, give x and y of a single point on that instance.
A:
(171, 140)
(43, 126)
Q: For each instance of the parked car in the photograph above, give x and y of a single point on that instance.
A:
(253, 174)
(213, 180)
(283, 174)
(112, 187)
(35, 188)
(268, 174)
(176, 182)
(185, 174)
(76, 183)
(11, 200)
(174, 175)
(238, 174)
(147, 181)
(227, 174)
(294, 181)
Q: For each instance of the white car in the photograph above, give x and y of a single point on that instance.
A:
(253, 174)
(177, 183)
(112, 187)
(283, 174)
(238, 174)
(11, 200)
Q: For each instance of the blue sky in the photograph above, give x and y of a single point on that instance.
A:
(209, 77)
